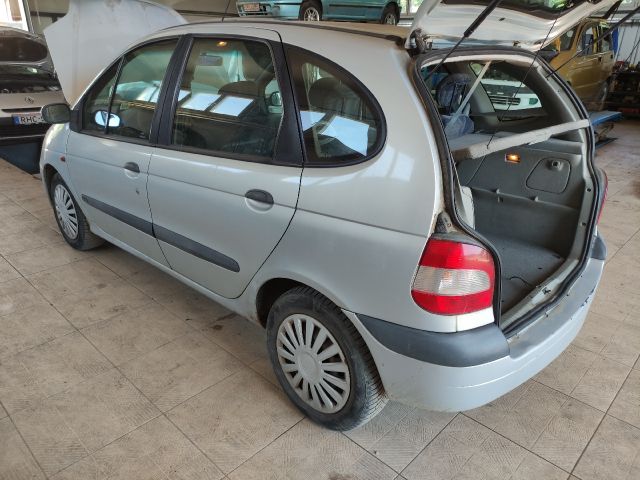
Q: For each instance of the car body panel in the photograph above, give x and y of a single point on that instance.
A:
(509, 24)
(95, 32)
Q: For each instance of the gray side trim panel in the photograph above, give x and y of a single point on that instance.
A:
(125, 217)
(599, 249)
(195, 248)
(461, 349)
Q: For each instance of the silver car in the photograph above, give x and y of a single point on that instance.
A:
(398, 233)
(27, 83)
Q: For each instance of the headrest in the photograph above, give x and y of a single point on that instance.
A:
(321, 90)
(244, 88)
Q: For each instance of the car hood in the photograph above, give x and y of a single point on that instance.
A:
(95, 32)
(529, 24)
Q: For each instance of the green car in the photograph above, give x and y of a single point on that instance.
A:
(381, 11)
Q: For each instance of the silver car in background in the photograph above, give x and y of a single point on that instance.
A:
(396, 230)
(27, 83)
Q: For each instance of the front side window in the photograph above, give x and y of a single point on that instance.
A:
(340, 122)
(586, 42)
(136, 94)
(95, 108)
(229, 100)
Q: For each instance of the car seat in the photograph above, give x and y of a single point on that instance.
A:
(450, 93)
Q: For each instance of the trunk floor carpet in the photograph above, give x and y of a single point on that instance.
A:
(524, 266)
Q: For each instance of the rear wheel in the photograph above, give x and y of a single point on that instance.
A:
(71, 221)
(321, 361)
(389, 15)
(311, 11)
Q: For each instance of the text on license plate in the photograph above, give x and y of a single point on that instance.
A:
(251, 7)
(27, 119)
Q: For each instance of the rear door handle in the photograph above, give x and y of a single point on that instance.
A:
(132, 167)
(260, 196)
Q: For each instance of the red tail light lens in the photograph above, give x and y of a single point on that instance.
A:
(604, 196)
(454, 278)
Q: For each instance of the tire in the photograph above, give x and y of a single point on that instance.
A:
(296, 359)
(310, 11)
(389, 15)
(72, 216)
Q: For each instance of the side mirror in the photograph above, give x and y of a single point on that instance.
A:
(56, 113)
(101, 119)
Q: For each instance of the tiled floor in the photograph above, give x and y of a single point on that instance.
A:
(111, 369)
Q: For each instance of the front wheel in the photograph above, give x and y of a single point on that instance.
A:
(321, 361)
(310, 11)
(71, 221)
(389, 15)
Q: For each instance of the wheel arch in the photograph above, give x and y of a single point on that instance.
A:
(48, 171)
(396, 6)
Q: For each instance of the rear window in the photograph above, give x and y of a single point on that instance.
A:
(15, 49)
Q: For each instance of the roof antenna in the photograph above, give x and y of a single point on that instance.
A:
(225, 10)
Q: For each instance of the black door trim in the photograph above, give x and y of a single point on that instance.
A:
(160, 233)
(125, 217)
(195, 248)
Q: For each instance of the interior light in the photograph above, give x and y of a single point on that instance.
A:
(222, 43)
(512, 158)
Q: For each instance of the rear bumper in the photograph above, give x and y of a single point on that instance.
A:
(465, 370)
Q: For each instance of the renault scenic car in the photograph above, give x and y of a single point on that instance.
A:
(398, 232)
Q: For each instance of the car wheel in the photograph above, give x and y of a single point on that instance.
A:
(311, 11)
(389, 15)
(71, 221)
(321, 361)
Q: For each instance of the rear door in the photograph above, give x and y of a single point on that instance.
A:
(224, 185)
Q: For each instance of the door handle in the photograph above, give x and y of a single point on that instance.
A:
(259, 196)
(132, 167)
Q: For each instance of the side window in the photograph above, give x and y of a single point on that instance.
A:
(605, 45)
(588, 36)
(505, 91)
(137, 90)
(340, 122)
(229, 100)
(95, 109)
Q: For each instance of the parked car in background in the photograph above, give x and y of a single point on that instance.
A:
(27, 83)
(381, 11)
(589, 72)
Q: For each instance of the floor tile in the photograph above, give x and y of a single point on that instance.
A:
(16, 462)
(31, 327)
(53, 443)
(467, 450)
(134, 333)
(234, 419)
(100, 302)
(612, 454)
(78, 276)
(28, 377)
(18, 294)
(180, 369)
(567, 434)
(398, 447)
(35, 237)
(20, 222)
(44, 258)
(119, 261)
(597, 332)
(624, 346)
(310, 452)
(367, 435)
(7, 272)
(24, 192)
(243, 339)
(46, 216)
(103, 409)
(626, 406)
(156, 283)
(600, 384)
(156, 450)
(566, 371)
(194, 307)
(522, 414)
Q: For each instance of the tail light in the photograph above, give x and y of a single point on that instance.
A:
(604, 196)
(454, 278)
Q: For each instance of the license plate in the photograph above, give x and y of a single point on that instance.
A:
(27, 119)
(251, 7)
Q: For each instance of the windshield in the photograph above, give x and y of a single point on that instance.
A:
(17, 49)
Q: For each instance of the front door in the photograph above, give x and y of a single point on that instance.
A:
(225, 186)
(109, 156)
(585, 68)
